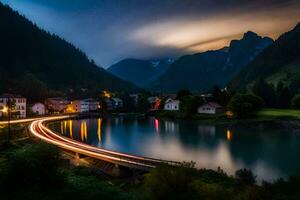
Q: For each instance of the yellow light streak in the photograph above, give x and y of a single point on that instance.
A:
(39, 130)
(99, 129)
(71, 128)
(228, 135)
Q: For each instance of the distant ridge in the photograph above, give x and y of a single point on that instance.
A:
(279, 62)
(139, 72)
(202, 71)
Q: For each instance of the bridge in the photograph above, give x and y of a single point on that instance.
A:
(39, 129)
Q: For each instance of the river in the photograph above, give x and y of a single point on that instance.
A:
(270, 150)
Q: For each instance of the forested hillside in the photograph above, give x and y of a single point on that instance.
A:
(33, 62)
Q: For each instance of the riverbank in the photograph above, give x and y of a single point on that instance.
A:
(265, 115)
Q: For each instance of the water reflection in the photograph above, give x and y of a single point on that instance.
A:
(71, 129)
(228, 135)
(156, 125)
(251, 146)
(83, 131)
(99, 130)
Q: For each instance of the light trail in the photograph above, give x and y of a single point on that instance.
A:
(38, 129)
(17, 121)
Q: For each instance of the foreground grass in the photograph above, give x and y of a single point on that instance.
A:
(34, 172)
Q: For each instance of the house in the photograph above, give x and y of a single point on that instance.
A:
(38, 109)
(18, 105)
(154, 102)
(56, 105)
(210, 108)
(94, 105)
(109, 104)
(117, 103)
(135, 98)
(171, 104)
(80, 106)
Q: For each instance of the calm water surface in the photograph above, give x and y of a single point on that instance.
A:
(269, 150)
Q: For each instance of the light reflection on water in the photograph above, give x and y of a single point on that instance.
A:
(268, 150)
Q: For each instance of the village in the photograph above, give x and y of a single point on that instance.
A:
(16, 106)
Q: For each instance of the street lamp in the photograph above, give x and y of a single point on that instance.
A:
(7, 109)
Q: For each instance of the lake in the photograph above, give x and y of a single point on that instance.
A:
(270, 150)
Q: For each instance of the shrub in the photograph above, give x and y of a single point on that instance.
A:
(243, 105)
(296, 102)
(245, 176)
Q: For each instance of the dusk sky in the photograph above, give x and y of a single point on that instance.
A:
(111, 30)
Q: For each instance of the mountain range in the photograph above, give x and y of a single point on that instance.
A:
(140, 72)
(28, 51)
(202, 71)
(280, 62)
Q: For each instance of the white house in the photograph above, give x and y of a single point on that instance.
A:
(57, 104)
(154, 102)
(18, 105)
(171, 104)
(93, 104)
(210, 108)
(117, 103)
(135, 98)
(80, 106)
(38, 109)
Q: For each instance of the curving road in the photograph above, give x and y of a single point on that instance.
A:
(40, 130)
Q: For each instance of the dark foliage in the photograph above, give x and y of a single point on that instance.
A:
(245, 176)
(182, 93)
(296, 102)
(284, 51)
(266, 92)
(189, 105)
(243, 105)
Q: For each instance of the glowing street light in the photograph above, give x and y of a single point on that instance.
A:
(5, 109)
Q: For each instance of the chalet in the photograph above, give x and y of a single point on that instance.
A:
(135, 98)
(80, 106)
(109, 104)
(56, 105)
(38, 109)
(154, 102)
(18, 105)
(117, 103)
(171, 104)
(93, 104)
(210, 108)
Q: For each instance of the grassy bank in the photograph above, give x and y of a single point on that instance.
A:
(261, 116)
(279, 113)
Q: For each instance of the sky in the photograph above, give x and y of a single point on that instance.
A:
(112, 30)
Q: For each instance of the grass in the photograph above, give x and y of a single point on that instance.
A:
(279, 113)
(267, 114)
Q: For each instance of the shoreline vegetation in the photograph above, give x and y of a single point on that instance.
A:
(38, 171)
(264, 115)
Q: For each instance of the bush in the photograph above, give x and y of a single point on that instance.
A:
(189, 105)
(243, 105)
(245, 176)
(33, 166)
(296, 102)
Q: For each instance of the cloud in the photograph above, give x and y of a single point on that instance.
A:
(110, 30)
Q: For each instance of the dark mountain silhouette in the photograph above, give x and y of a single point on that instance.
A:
(139, 72)
(26, 50)
(280, 62)
(203, 70)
